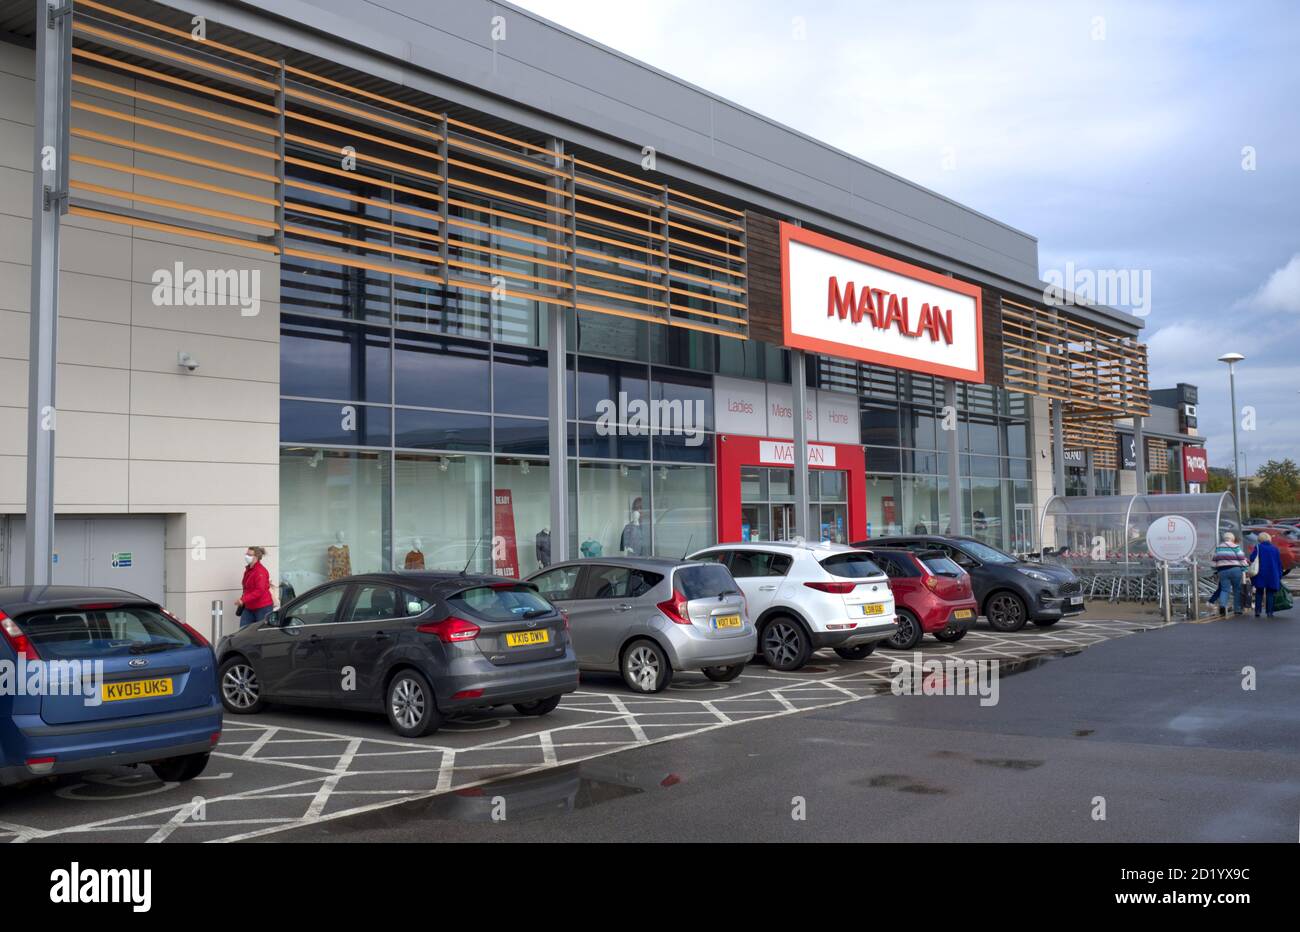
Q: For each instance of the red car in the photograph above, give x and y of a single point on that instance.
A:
(1287, 547)
(932, 595)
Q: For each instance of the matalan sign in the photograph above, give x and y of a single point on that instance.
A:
(773, 453)
(842, 300)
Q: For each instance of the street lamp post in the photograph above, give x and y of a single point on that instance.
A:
(1232, 359)
(1245, 460)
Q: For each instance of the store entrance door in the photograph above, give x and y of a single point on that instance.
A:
(756, 491)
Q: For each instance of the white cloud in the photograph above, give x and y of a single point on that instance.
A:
(1282, 290)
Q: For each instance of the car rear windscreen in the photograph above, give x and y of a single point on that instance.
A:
(851, 566)
(707, 580)
(81, 633)
(505, 603)
(940, 565)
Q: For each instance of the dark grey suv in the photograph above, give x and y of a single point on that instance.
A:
(1010, 591)
(419, 646)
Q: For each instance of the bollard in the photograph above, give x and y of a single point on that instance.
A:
(218, 610)
(1196, 590)
(1168, 600)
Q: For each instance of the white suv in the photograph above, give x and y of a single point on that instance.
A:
(803, 597)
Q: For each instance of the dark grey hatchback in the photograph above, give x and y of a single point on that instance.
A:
(420, 646)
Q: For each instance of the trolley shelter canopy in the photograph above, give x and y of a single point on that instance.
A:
(1077, 530)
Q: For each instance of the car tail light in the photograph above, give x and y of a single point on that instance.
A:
(40, 764)
(451, 630)
(675, 608)
(838, 588)
(468, 694)
(932, 582)
(214, 738)
(198, 638)
(564, 613)
(17, 639)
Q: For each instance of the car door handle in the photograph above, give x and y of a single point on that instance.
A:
(623, 607)
(382, 636)
(767, 588)
(314, 639)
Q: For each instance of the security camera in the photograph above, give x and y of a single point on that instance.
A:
(187, 360)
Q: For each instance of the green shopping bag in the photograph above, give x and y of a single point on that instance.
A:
(1282, 601)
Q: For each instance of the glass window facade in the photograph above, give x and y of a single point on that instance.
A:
(904, 430)
(415, 432)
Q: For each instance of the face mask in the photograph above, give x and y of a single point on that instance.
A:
(248, 559)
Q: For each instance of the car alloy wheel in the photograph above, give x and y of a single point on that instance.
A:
(908, 633)
(641, 668)
(783, 644)
(239, 687)
(1006, 612)
(408, 702)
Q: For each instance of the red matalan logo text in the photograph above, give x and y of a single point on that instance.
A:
(884, 309)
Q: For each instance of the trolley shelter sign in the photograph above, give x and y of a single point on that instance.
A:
(845, 301)
(1171, 539)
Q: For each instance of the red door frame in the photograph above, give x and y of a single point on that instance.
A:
(735, 451)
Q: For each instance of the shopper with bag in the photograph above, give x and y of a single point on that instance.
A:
(1267, 575)
(1230, 563)
(257, 601)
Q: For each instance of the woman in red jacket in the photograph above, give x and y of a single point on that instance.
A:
(256, 602)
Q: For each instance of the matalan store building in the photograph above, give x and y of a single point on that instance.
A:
(442, 284)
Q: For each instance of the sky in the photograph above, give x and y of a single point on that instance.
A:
(1156, 138)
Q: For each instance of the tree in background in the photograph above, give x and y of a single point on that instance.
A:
(1277, 486)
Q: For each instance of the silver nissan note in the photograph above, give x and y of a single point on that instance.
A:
(647, 618)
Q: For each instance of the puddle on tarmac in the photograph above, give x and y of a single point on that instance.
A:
(526, 798)
(1005, 667)
(900, 782)
(1010, 763)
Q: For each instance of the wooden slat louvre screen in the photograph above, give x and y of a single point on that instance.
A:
(345, 178)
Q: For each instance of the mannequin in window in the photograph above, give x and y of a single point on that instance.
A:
(632, 541)
(338, 561)
(415, 556)
(542, 544)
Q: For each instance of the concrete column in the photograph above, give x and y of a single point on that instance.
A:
(952, 444)
(1058, 446)
(557, 396)
(799, 380)
(49, 203)
(1140, 455)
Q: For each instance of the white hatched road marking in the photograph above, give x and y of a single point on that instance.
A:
(340, 772)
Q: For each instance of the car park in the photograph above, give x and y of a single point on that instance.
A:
(420, 646)
(647, 618)
(807, 596)
(932, 595)
(1011, 592)
(1288, 548)
(122, 681)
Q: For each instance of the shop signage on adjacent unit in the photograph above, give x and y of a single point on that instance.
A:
(1196, 468)
(846, 301)
(1127, 451)
(1074, 458)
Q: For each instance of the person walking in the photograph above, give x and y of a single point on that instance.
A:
(1230, 563)
(256, 602)
(1268, 578)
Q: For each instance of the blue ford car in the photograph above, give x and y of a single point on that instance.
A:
(96, 678)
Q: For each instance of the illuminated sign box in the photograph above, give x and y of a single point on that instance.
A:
(845, 301)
